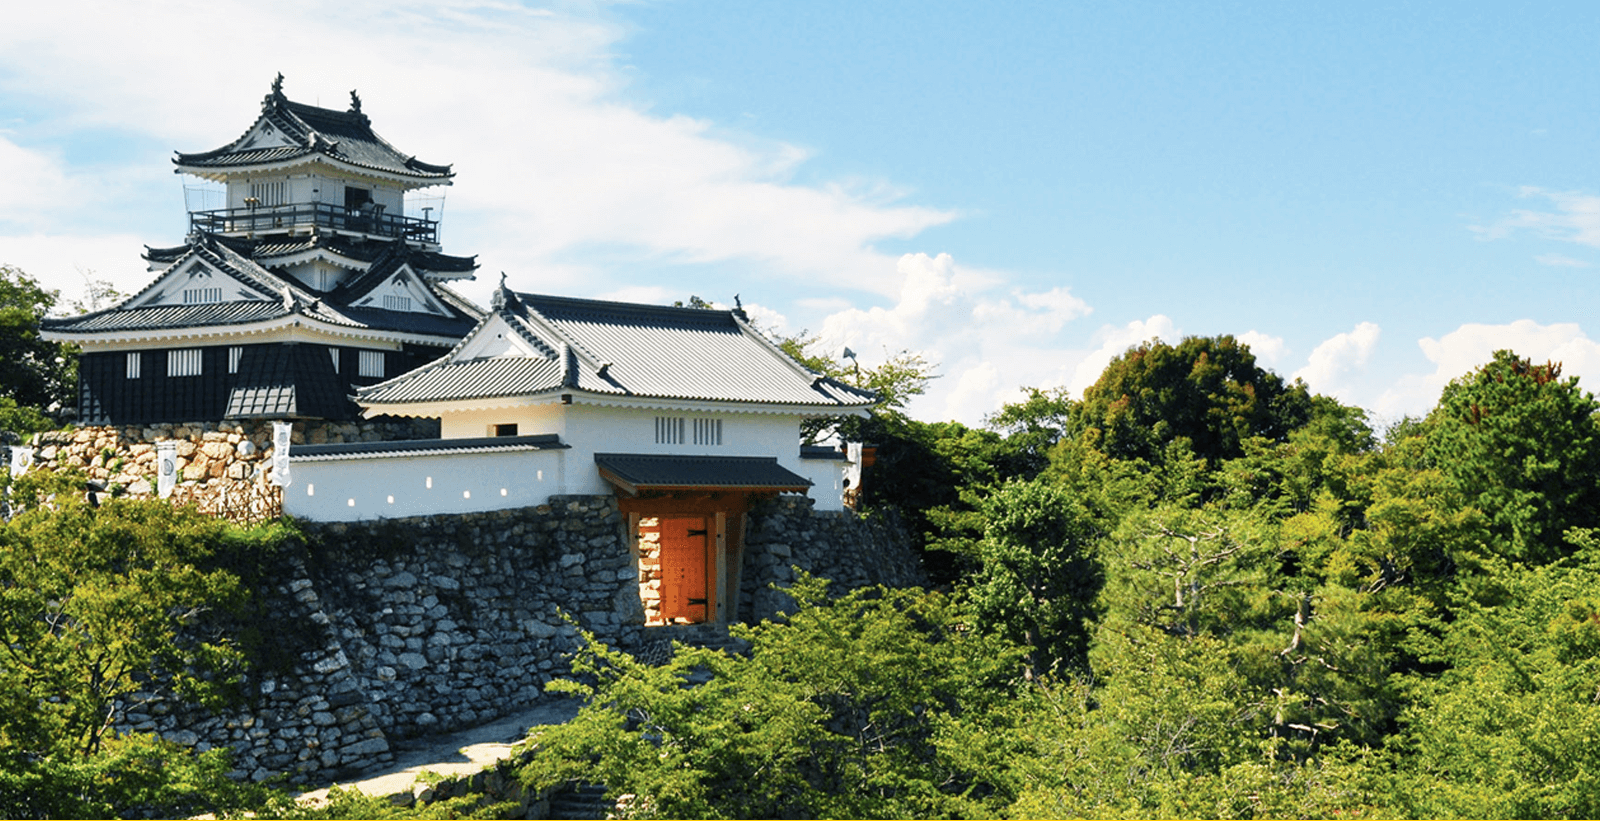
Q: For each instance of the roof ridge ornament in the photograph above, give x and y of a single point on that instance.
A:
(503, 297)
(355, 102)
(274, 96)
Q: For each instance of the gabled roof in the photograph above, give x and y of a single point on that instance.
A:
(289, 132)
(616, 349)
(289, 298)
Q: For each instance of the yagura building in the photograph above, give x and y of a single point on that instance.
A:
(311, 282)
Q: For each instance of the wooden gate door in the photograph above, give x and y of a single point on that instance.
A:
(684, 543)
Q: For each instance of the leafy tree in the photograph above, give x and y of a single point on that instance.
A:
(93, 601)
(33, 372)
(1208, 390)
(1521, 444)
(1510, 728)
(1038, 579)
(876, 704)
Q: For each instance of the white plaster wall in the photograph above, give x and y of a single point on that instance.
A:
(591, 429)
(530, 420)
(351, 489)
(827, 482)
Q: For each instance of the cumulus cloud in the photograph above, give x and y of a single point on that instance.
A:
(1333, 362)
(1461, 351)
(1269, 350)
(985, 338)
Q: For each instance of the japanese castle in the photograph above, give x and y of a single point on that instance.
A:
(312, 282)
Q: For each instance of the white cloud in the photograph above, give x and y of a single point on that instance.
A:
(529, 105)
(1461, 351)
(63, 262)
(986, 339)
(1576, 218)
(1268, 350)
(1332, 363)
(1560, 261)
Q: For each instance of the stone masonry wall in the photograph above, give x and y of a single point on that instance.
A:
(403, 627)
(223, 466)
(848, 548)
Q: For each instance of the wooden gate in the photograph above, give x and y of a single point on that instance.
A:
(684, 568)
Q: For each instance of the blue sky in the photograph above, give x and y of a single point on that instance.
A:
(1376, 196)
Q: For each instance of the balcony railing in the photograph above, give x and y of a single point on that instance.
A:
(371, 221)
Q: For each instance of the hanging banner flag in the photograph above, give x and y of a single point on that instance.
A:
(852, 468)
(166, 468)
(280, 452)
(21, 460)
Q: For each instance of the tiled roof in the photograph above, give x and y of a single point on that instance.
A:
(624, 349)
(637, 471)
(343, 135)
(423, 447)
(160, 317)
(277, 381)
(472, 379)
(290, 297)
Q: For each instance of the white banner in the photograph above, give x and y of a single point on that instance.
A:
(280, 452)
(21, 460)
(852, 469)
(166, 467)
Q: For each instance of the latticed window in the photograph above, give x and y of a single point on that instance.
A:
(396, 303)
(201, 296)
(370, 363)
(669, 430)
(184, 362)
(334, 352)
(708, 431)
(270, 193)
(234, 355)
(134, 360)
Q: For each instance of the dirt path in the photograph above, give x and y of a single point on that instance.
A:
(464, 751)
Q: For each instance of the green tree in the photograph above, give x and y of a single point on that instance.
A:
(877, 704)
(1038, 578)
(33, 372)
(1208, 390)
(1521, 444)
(93, 601)
(1510, 729)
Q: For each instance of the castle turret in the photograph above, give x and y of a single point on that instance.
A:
(311, 282)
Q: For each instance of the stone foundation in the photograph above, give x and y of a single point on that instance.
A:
(402, 627)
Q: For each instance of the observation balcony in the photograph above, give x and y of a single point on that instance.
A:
(369, 220)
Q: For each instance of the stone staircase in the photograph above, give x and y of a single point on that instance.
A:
(581, 801)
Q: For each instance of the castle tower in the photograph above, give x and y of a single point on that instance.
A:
(312, 281)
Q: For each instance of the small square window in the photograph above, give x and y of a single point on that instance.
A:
(508, 429)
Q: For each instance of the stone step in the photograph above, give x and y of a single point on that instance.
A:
(582, 801)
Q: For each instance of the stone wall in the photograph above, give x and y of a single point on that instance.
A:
(223, 466)
(848, 548)
(402, 627)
